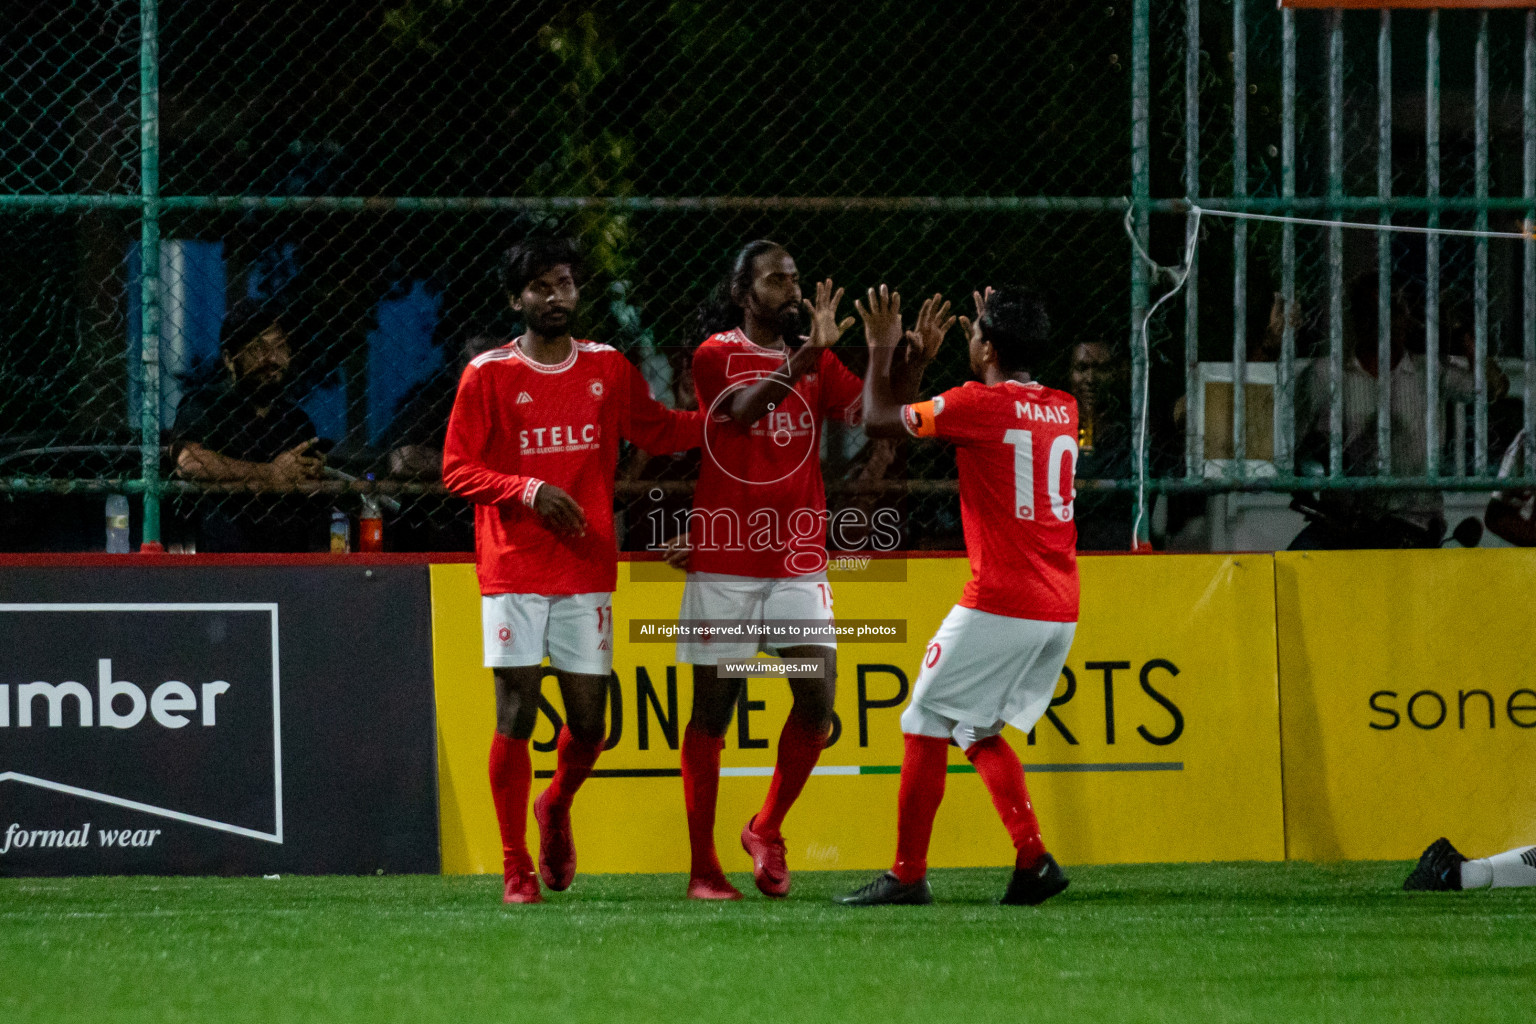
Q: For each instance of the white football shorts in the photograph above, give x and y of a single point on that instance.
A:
(748, 600)
(575, 631)
(982, 671)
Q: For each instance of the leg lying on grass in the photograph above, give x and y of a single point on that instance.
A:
(1442, 868)
(1512, 869)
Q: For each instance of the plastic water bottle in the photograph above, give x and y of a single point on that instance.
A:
(341, 530)
(117, 524)
(370, 523)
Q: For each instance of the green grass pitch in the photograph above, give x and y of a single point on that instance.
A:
(1180, 943)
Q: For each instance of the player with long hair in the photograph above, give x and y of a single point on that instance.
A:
(755, 547)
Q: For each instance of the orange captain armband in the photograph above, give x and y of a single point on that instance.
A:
(920, 418)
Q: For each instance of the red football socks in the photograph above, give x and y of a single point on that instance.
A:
(701, 790)
(800, 747)
(1000, 770)
(924, 764)
(574, 761)
(511, 778)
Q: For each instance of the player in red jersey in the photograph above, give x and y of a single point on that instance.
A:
(756, 542)
(998, 655)
(533, 441)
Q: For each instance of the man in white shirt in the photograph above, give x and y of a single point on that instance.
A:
(1389, 519)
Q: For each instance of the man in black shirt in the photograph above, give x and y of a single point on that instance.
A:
(1099, 380)
(414, 444)
(250, 431)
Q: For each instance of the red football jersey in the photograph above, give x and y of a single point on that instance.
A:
(1017, 456)
(760, 508)
(517, 424)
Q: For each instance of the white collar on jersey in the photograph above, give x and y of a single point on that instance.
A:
(741, 336)
(560, 367)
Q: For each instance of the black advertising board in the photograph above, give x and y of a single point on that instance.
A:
(217, 719)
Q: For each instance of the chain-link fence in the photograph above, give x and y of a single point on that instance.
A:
(879, 144)
(352, 171)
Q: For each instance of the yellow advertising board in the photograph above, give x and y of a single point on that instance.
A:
(1408, 691)
(1162, 743)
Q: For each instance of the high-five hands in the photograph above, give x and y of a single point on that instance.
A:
(825, 327)
(972, 328)
(933, 323)
(882, 318)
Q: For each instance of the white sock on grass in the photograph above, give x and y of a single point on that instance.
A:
(1510, 869)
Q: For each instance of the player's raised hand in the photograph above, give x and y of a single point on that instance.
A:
(972, 328)
(882, 318)
(560, 511)
(825, 327)
(933, 323)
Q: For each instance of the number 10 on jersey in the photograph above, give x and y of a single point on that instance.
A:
(1063, 447)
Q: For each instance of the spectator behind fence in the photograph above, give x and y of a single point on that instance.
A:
(1265, 348)
(656, 516)
(1510, 513)
(416, 436)
(246, 429)
(415, 452)
(1379, 519)
(1099, 378)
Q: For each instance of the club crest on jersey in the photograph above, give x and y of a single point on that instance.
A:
(1042, 413)
(595, 386)
(523, 396)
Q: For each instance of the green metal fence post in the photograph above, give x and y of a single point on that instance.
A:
(1194, 455)
(1528, 321)
(1239, 241)
(1285, 372)
(1433, 411)
(149, 268)
(1384, 246)
(1336, 244)
(1141, 192)
(1480, 254)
